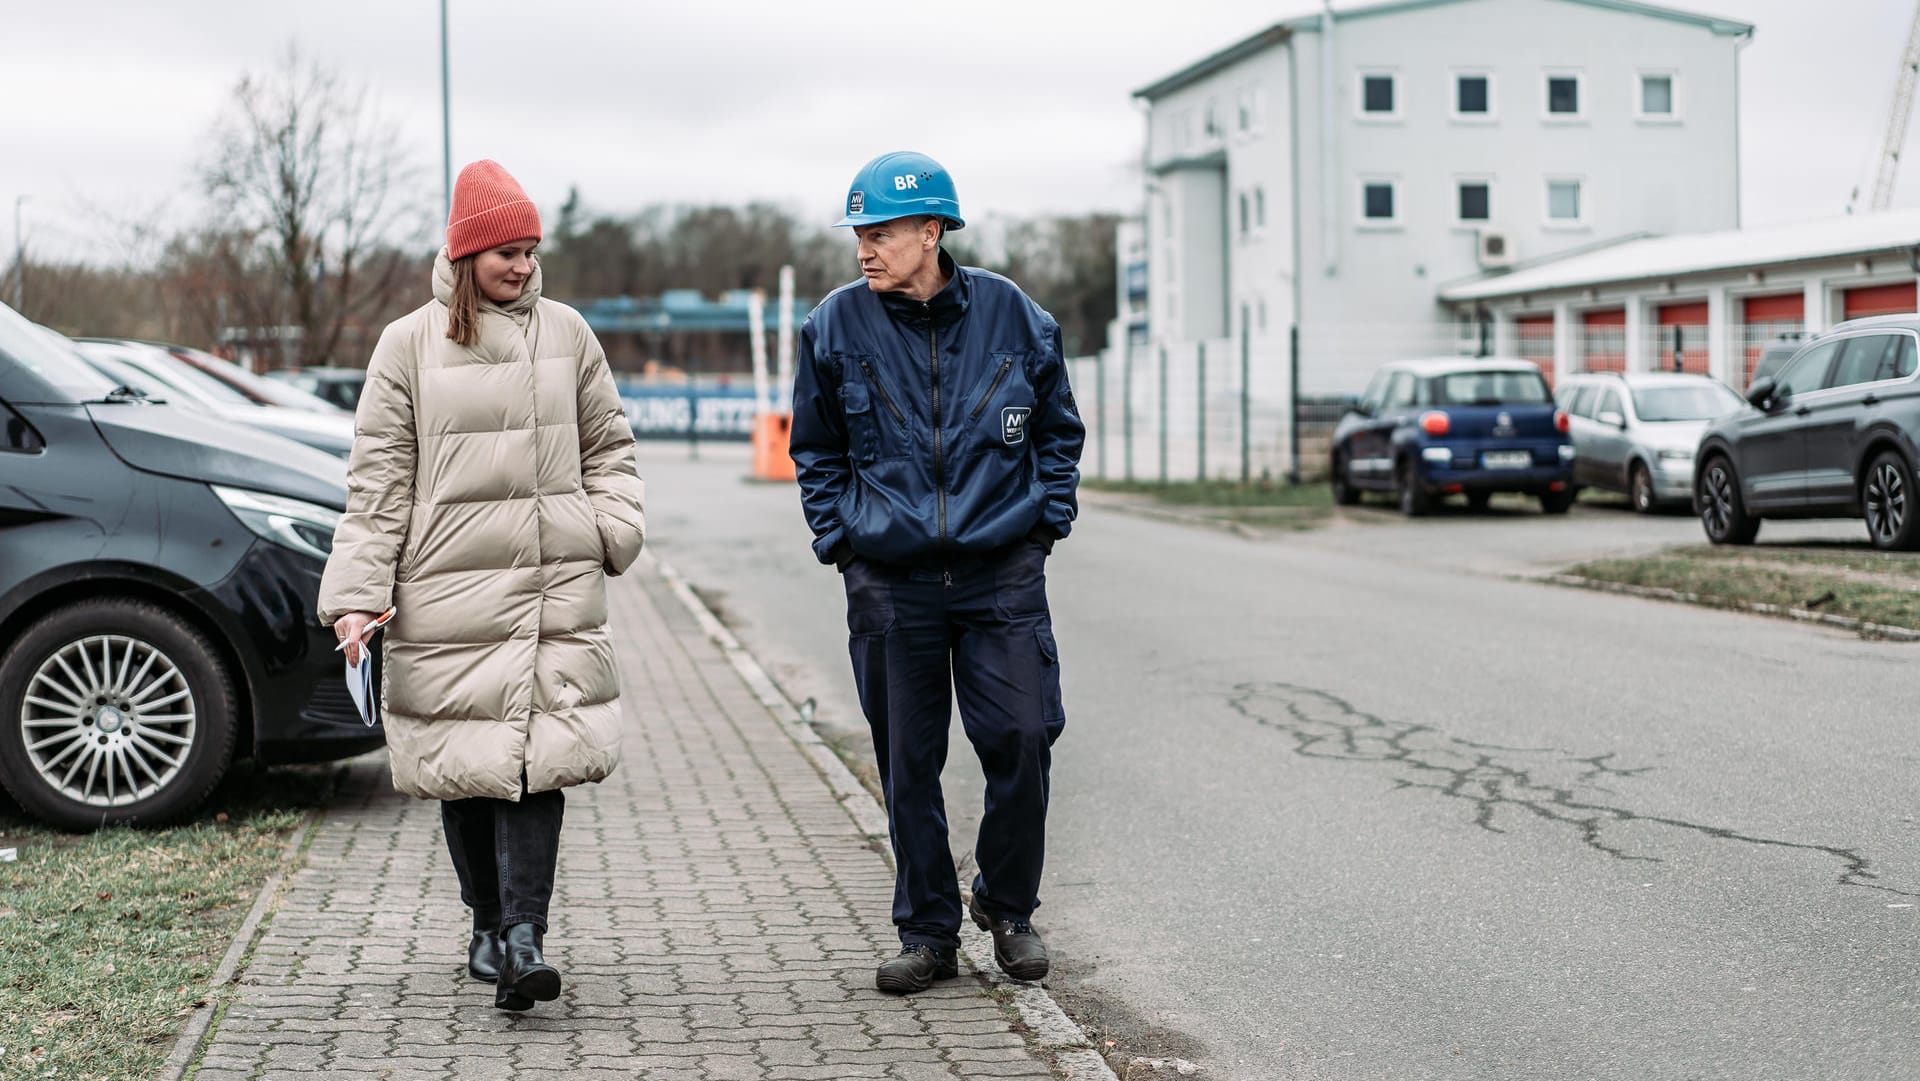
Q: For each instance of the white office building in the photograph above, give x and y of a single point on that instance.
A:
(1336, 171)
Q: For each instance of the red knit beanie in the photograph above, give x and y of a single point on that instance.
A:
(489, 209)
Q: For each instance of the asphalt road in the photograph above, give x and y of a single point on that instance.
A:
(1359, 803)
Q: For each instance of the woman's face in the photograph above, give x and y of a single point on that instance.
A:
(503, 271)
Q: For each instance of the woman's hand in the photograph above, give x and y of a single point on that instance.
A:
(353, 626)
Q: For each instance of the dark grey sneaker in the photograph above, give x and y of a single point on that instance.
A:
(915, 969)
(1016, 945)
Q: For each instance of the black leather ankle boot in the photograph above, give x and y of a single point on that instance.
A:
(483, 951)
(525, 976)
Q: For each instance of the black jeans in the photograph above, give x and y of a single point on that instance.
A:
(505, 854)
(978, 630)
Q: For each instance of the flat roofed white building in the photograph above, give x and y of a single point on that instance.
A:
(1330, 172)
(1704, 302)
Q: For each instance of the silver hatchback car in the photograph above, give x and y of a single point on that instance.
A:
(1635, 432)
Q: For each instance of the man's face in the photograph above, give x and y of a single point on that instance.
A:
(893, 252)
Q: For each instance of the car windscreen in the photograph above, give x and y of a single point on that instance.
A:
(179, 373)
(48, 359)
(1705, 401)
(270, 391)
(1491, 388)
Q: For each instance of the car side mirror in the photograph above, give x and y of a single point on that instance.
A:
(1361, 408)
(1760, 395)
(1611, 418)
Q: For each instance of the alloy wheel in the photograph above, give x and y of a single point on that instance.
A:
(1716, 504)
(1886, 501)
(108, 720)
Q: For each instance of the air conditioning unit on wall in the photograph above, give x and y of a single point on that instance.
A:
(1494, 249)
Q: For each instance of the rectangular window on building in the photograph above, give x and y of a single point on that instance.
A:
(1472, 95)
(1259, 208)
(1565, 205)
(1377, 202)
(1563, 96)
(1245, 107)
(1377, 97)
(1657, 99)
(1212, 119)
(1476, 199)
(1245, 214)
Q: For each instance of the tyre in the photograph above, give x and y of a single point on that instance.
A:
(1559, 502)
(1477, 501)
(112, 711)
(1886, 497)
(1722, 513)
(1640, 488)
(1415, 500)
(1344, 493)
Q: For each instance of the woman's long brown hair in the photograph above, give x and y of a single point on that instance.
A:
(463, 310)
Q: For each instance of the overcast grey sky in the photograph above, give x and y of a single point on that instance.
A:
(109, 102)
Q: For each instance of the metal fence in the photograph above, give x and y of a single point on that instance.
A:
(1222, 409)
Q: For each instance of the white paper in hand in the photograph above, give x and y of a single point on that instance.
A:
(366, 697)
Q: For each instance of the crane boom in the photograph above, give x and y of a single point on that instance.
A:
(1897, 119)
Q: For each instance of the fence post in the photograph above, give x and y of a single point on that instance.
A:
(1201, 413)
(1163, 414)
(1100, 410)
(1246, 391)
(1293, 404)
(1126, 410)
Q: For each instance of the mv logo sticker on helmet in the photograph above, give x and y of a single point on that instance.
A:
(1013, 424)
(856, 202)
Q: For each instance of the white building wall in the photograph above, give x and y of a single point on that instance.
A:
(1636, 175)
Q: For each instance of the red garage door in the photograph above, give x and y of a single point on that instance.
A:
(1766, 319)
(1878, 300)
(1534, 335)
(1603, 341)
(1681, 335)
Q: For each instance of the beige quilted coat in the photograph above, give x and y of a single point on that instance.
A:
(490, 491)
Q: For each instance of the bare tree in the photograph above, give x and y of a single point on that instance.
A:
(312, 193)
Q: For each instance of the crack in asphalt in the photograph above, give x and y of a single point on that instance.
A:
(1326, 727)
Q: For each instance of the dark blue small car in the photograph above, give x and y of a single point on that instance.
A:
(1473, 426)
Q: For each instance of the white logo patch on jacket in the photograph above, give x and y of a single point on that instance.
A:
(1013, 424)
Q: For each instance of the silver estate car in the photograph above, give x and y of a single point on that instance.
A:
(1635, 432)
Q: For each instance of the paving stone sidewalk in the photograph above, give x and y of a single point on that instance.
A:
(719, 916)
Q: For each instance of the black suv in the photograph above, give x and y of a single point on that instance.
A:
(1831, 436)
(158, 575)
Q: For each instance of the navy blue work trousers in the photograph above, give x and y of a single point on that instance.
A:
(979, 629)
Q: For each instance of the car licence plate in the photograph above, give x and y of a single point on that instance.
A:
(1507, 459)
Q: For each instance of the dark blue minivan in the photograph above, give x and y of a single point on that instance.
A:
(1472, 426)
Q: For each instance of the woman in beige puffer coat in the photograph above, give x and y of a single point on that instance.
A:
(491, 490)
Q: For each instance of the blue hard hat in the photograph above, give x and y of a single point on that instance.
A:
(902, 184)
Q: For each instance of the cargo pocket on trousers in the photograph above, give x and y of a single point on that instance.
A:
(869, 600)
(1052, 710)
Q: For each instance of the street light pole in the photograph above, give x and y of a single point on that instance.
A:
(446, 120)
(19, 258)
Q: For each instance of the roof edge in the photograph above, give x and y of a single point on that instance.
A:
(1452, 295)
(1277, 34)
(1720, 26)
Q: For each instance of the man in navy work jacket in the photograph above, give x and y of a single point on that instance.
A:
(937, 447)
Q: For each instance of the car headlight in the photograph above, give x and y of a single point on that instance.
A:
(306, 528)
(1676, 455)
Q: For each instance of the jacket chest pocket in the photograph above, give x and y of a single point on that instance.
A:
(876, 425)
(1002, 404)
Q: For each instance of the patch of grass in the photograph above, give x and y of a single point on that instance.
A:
(108, 940)
(1220, 493)
(1877, 587)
